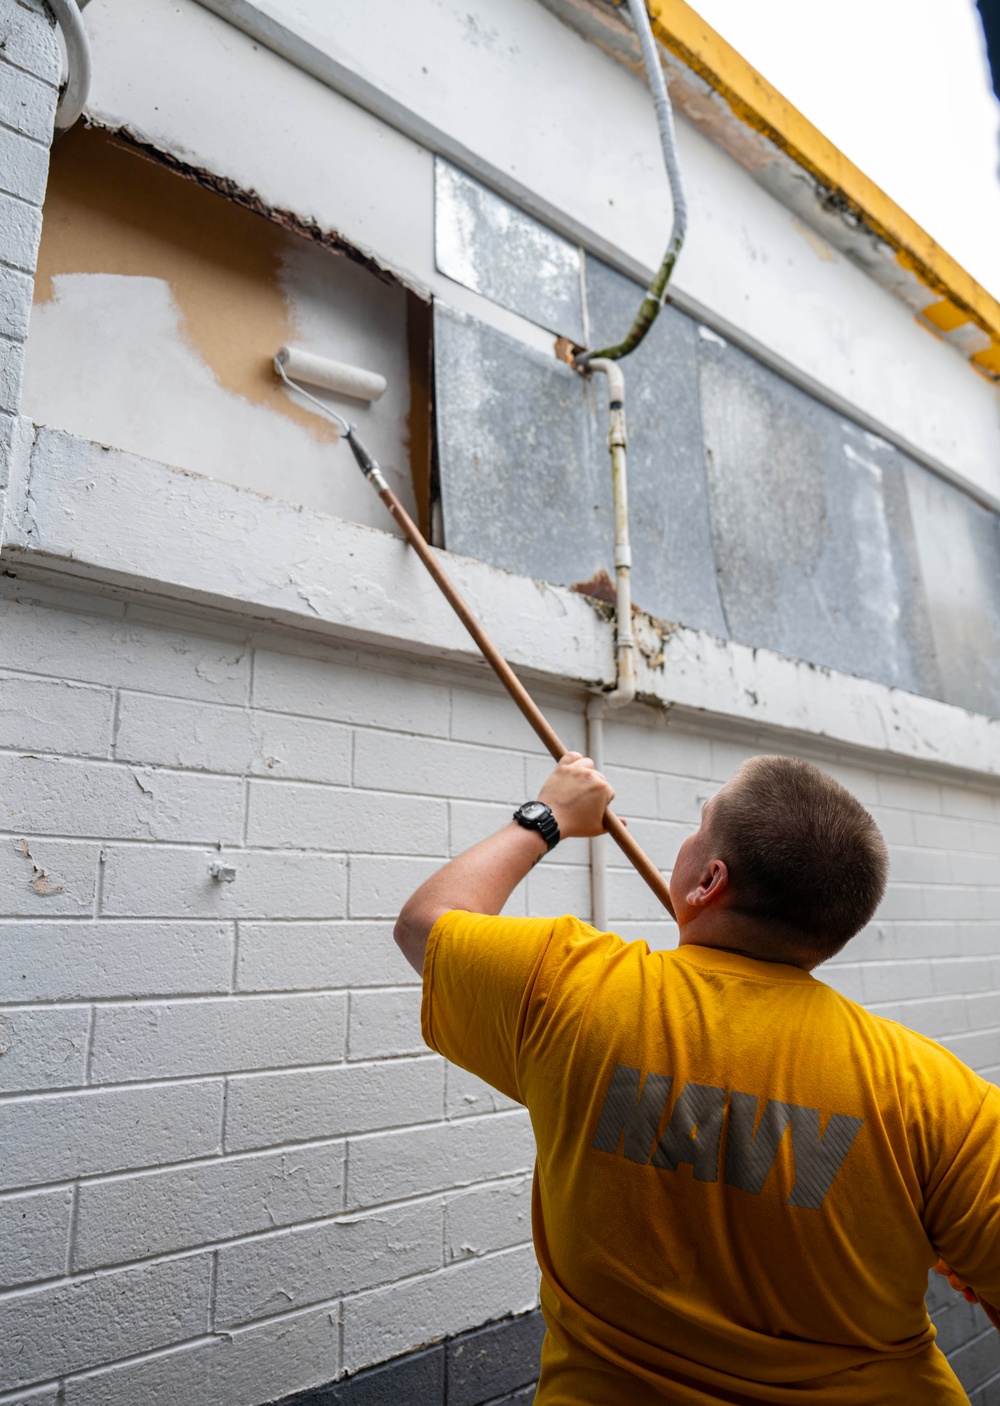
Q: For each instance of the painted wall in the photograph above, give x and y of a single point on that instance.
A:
(231, 1170)
(158, 308)
(748, 259)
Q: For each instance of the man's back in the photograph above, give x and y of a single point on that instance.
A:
(738, 1170)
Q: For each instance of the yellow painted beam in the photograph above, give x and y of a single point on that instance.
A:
(753, 100)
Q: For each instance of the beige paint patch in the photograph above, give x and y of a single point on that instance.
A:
(111, 210)
(816, 242)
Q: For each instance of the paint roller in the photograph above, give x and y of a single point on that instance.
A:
(291, 365)
(336, 376)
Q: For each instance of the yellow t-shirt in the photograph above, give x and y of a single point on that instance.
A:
(742, 1178)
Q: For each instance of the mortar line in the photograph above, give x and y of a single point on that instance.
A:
(410, 1057)
(9, 263)
(102, 859)
(213, 1281)
(19, 68)
(225, 1116)
(89, 1055)
(115, 723)
(366, 1213)
(236, 957)
(18, 131)
(246, 812)
(74, 1212)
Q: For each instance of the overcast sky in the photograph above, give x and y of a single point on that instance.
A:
(902, 87)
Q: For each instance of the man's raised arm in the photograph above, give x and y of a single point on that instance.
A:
(483, 878)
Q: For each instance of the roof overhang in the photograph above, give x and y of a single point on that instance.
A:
(728, 101)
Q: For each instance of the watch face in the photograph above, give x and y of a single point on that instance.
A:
(533, 810)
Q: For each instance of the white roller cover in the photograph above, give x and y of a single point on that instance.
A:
(334, 376)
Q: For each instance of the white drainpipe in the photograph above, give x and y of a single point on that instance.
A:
(624, 690)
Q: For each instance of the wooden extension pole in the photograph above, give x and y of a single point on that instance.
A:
(612, 824)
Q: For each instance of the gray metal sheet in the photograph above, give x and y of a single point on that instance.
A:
(959, 547)
(813, 548)
(492, 247)
(673, 571)
(519, 485)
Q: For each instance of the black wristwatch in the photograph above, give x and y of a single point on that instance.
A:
(536, 815)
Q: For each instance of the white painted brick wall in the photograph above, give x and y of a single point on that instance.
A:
(388, 1321)
(215, 1105)
(34, 1235)
(487, 1218)
(317, 1263)
(43, 1048)
(127, 1218)
(51, 1331)
(58, 1137)
(29, 75)
(267, 1110)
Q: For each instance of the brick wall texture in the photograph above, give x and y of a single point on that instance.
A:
(231, 1170)
(29, 76)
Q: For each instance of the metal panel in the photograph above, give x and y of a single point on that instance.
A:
(519, 484)
(813, 547)
(492, 247)
(959, 547)
(673, 572)
(756, 512)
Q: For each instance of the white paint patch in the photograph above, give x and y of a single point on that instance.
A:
(106, 359)
(340, 311)
(707, 335)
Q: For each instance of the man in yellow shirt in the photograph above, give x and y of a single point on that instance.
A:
(742, 1178)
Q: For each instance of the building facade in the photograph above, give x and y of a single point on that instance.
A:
(238, 723)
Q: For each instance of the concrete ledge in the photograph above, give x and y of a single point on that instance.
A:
(96, 515)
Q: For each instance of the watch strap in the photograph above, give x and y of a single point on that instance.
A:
(543, 821)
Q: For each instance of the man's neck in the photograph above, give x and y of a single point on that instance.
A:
(745, 937)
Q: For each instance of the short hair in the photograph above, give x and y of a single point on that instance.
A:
(801, 851)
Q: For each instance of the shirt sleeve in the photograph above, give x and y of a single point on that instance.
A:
(478, 975)
(962, 1213)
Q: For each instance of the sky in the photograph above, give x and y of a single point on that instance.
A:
(902, 87)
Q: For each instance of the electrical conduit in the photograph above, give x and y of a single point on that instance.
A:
(74, 91)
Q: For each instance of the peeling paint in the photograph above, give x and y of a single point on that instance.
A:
(250, 200)
(599, 587)
(43, 884)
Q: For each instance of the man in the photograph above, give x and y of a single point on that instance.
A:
(742, 1178)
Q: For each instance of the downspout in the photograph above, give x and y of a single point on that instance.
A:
(624, 690)
(605, 361)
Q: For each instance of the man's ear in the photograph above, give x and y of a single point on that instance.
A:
(713, 883)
